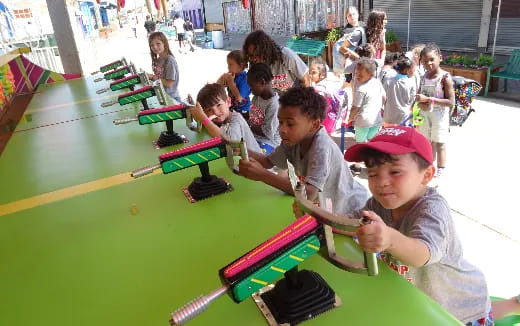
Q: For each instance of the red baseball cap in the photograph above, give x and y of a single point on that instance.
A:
(394, 140)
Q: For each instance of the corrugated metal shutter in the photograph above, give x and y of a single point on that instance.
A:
(238, 19)
(213, 11)
(452, 24)
(275, 17)
(508, 35)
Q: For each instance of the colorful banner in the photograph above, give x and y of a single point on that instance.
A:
(28, 76)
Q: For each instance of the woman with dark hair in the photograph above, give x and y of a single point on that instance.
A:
(375, 30)
(286, 66)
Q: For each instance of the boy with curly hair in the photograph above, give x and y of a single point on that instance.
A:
(316, 158)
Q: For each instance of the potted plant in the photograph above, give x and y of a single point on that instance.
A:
(472, 68)
(392, 42)
(332, 37)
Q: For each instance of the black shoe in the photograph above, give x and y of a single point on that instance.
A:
(355, 169)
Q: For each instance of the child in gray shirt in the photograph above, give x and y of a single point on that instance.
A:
(264, 107)
(367, 101)
(214, 113)
(412, 226)
(164, 64)
(316, 158)
(400, 93)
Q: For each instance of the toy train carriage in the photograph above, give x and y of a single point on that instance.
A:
(113, 65)
(273, 258)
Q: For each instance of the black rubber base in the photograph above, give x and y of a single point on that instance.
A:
(293, 304)
(200, 189)
(169, 139)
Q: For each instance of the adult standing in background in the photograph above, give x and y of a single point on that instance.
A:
(149, 25)
(189, 30)
(178, 23)
(354, 36)
(287, 67)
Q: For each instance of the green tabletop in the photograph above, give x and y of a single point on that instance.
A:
(89, 260)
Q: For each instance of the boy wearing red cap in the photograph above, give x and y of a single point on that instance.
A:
(412, 226)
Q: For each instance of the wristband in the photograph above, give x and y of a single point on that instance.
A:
(206, 121)
(432, 100)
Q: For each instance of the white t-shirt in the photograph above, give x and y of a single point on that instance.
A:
(179, 25)
(369, 98)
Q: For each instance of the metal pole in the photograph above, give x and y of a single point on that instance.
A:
(496, 29)
(408, 31)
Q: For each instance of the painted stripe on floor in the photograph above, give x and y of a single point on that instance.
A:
(69, 192)
(59, 106)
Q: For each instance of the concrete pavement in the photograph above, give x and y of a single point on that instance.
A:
(479, 183)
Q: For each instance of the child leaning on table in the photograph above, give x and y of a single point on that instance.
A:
(212, 110)
(412, 226)
(316, 157)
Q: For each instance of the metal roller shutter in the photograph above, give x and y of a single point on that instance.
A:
(237, 19)
(275, 17)
(453, 25)
(213, 11)
(508, 35)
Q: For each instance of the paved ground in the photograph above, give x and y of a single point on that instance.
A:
(481, 179)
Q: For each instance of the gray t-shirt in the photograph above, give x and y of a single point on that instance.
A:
(287, 71)
(385, 75)
(167, 69)
(369, 98)
(323, 167)
(447, 277)
(400, 96)
(264, 113)
(238, 129)
(356, 37)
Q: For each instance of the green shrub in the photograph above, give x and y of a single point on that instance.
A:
(484, 60)
(333, 35)
(390, 36)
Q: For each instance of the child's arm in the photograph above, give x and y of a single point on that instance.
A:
(199, 115)
(166, 82)
(345, 49)
(377, 237)
(449, 94)
(354, 110)
(254, 170)
(227, 79)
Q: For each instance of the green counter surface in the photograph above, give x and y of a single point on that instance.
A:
(87, 260)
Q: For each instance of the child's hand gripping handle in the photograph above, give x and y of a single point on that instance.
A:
(345, 223)
(191, 122)
(370, 257)
(235, 148)
(195, 307)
